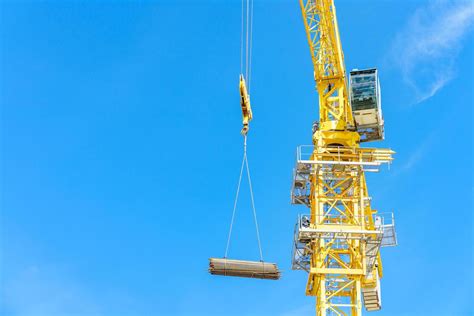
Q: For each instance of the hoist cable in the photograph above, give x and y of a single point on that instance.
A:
(246, 30)
(247, 45)
(250, 48)
(242, 39)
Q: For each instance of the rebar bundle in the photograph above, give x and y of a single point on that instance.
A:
(246, 269)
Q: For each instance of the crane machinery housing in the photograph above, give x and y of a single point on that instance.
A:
(338, 242)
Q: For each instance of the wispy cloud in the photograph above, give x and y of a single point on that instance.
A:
(426, 48)
(417, 155)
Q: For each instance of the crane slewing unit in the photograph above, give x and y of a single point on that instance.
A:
(338, 241)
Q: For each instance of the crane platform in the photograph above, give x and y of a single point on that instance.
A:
(334, 228)
(370, 159)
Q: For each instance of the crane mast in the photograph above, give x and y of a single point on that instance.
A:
(338, 242)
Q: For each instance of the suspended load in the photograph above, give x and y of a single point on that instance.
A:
(246, 269)
(366, 104)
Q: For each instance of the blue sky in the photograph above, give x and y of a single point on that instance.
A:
(120, 153)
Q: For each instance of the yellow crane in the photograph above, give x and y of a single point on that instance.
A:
(338, 242)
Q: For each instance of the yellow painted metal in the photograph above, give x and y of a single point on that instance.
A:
(245, 105)
(338, 268)
(322, 31)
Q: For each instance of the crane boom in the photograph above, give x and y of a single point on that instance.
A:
(338, 242)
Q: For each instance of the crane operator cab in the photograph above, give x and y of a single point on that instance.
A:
(366, 104)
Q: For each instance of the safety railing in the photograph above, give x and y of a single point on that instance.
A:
(383, 225)
(305, 154)
(389, 238)
(304, 220)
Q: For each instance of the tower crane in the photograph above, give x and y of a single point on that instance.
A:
(338, 242)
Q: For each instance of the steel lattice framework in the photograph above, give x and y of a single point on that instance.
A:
(338, 242)
(319, 17)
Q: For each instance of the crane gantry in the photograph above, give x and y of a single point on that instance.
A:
(338, 242)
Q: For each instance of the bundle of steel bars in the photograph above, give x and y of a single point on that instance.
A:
(245, 269)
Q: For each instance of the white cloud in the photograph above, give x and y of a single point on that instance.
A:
(418, 154)
(415, 157)
(426, 48)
